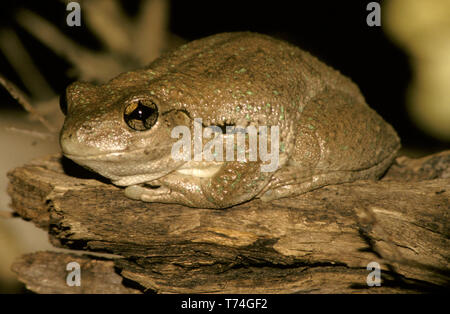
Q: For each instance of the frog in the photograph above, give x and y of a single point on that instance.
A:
(328, 134)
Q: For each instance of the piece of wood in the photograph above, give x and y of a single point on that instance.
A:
(45, 272)
(319, 242)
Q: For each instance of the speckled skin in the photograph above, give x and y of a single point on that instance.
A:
(328, 134)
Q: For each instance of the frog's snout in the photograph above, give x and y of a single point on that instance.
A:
(72, 146)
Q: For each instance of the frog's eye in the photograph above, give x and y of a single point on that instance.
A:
(63, 103)
(141, 115)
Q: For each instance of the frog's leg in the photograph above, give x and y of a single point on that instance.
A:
(170, 190)
(338, 139)
(292, 186)
(183, 186)
(234, 183)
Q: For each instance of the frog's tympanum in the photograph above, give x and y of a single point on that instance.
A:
(123, 129)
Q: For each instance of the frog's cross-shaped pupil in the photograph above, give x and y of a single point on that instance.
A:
(141, 115)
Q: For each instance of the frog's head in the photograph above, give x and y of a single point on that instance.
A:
(123, 134)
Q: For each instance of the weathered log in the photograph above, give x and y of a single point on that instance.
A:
(319, 242)
(45, 272)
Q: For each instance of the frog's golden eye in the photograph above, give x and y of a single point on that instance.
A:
(141, 115)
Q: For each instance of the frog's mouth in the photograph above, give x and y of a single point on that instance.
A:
(111, 156)
(126, 168)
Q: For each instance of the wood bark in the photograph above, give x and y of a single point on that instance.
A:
(318, 242)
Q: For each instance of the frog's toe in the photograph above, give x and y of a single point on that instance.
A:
(134, 192)
(171, 197)
(138, 192)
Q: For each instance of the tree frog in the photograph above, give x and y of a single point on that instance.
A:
(327, 134)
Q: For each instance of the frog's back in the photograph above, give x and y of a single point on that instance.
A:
(242, 75)
(245, 74)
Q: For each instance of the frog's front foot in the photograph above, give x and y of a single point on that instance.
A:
(146, 194)
(160, 194)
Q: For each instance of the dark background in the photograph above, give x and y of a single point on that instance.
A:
(334, 31)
